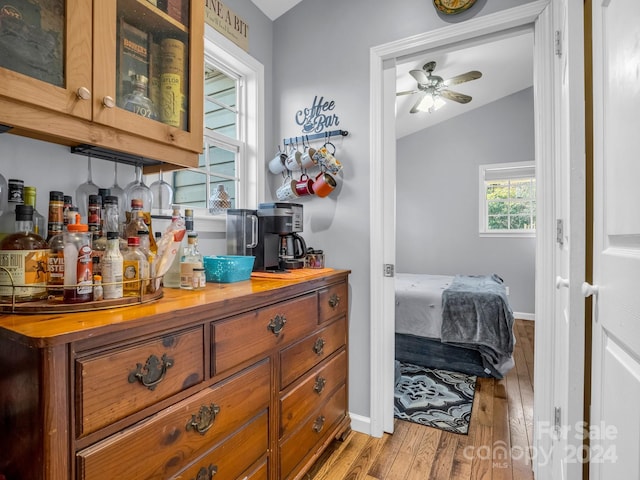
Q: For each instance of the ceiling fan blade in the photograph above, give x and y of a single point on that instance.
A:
(463, 77)
(406, 92)
(419, 75)
(455, 96)
(414, 109)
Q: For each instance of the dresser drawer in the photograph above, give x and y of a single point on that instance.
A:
(230, 460)
(312, 392)
(251, 335)
(117, 383)
(333, 301)
(298, 446)
(165, 443)
(302, 356)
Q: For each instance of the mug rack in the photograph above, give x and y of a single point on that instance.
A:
(314, 136)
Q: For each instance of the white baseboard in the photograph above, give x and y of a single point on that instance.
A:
(360, 424)
(524, 316)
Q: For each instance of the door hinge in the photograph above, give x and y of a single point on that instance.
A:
(388, 269)
(557, 419)
(558, 43)
(560, 231)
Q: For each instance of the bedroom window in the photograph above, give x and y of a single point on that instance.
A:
(508, 199)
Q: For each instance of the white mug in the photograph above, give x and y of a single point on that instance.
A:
(307, 160)
(287, 191)
(276, 164)
(293, 161)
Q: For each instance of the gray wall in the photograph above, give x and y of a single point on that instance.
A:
(437, 196)
(322, 48)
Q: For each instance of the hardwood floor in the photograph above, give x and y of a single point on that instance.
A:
(496, 448)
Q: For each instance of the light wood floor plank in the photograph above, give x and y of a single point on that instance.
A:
(501, 421)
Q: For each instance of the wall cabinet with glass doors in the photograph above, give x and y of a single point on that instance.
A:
(125, 75)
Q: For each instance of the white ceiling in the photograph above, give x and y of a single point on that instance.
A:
(506, 64)
(274, 8)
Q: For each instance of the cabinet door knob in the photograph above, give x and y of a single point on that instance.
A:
(83, 93)
(108, 102)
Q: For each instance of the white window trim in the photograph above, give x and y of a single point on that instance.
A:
(483, 231)
(251, 126)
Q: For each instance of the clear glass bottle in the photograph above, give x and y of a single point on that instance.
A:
(171, 277)
(220, 201)
(112, 268)
(24, 256)
(15, 197)
(137, 101)
(135, 269)
(191, 258)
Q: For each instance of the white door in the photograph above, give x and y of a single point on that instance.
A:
(568, 325)
(615, 418)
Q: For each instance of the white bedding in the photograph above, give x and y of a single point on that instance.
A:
(419, 303)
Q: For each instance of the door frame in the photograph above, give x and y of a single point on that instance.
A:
(538, 16)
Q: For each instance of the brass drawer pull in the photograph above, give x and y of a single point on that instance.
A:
(206, 473)
(318, 387)
(318, 347)
(319, 424)
(202, 422)
(334, 300)
(152, 373)
(277, 324)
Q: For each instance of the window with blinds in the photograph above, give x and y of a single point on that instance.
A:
(508, 198)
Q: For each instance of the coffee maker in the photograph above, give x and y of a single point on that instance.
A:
(269, 233)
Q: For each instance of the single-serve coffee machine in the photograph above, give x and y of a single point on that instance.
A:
(269, 233)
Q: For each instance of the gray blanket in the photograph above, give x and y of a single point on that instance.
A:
(476, 314)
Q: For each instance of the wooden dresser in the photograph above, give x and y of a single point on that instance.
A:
(237, 381)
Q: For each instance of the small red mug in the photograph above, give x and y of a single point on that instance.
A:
(304, 186)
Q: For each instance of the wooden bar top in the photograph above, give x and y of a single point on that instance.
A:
(177, 307)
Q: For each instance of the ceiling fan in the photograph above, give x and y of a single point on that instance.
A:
(433, 89)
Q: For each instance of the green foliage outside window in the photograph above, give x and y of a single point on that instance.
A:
(511, 204)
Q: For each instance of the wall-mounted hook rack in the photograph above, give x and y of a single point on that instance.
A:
(314, 136)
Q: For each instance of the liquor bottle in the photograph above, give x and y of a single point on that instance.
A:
(55, 223)
(136, 219)
(68, 204)
(55, 239)
(4, 195)
(135, 269)
(15, 197)
(137, 101)
(112, 268)
(23, 256)
(94, 216)
(191, 258)
(171, 278)
(39, 222)
(78, 263)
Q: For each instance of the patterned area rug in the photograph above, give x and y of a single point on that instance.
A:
(436, 398)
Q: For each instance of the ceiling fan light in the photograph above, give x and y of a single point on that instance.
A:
(426, 103)
(438, 103)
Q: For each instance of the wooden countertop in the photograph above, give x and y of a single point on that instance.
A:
(176, 307)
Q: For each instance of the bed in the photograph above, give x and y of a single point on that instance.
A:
(462, 323)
